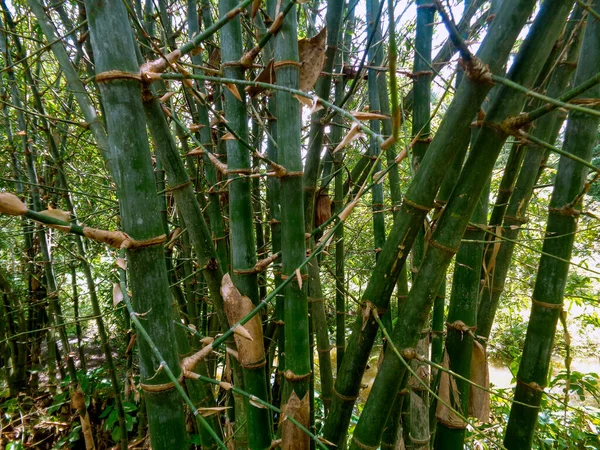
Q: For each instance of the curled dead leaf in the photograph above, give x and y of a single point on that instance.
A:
(117, 294)
(267, 75)
(352, 135)
(311, 54)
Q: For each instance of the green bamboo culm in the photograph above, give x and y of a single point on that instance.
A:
(243, 242)
(120, 89)
(297, 362)
(418, 201)
(546, 129)
(450, 227)
(418, 397)
(564, 210)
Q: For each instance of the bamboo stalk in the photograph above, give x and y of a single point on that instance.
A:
(419, 198)
(451, 225)
(551, 279)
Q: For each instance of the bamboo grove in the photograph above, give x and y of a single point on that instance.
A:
(252, 205)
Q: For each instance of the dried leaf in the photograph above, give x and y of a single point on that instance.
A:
(228, 137)
(234, 90)
(214, 59)
(241, 331)
(304, 101)
(196, 127)
(266, 76)
(117, 294)
(209, 411)
(57, 214)
(299, 278)
(366, 314)
(11, 204)
(378, 177)
(364, 115)
(292, 437)
(225, 385)
(237, 306)
(207, 340)
(167, 96)
(255, 8)
(448, 392)
(121, 263)
(256, 404)
(479, 399)
(352, 135)
(78, 401)
(311, 53)
(322, 209)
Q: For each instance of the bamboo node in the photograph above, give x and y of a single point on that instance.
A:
(533, 386)
(161, 387)
(130, 243)
(287, 62)
(546, 305)
(409, 353)
(566, 210)
(256, 365)
(112, 75)
(363, 446)
(291, 376)
(418, 442)
(416, 205)
(476, 70)
(315, 300)
(444, 248)
(178, 187)
(459, 325)
(345, 398)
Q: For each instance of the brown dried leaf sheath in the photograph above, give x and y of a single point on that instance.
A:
(237, 306)
(311, 53)
(266, 76)
(11, 204)
(352, 135)
(323, 209)
(448, 392)
(292, 437)
(58, 214)
(479, 400)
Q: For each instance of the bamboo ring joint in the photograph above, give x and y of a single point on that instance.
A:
(416, 205)
(178, 187)
(346, 398)
(546, 305)
(111, 75)
(291, 376)
(418, 441)
(363, 446)
(160, 387)
(286, 62)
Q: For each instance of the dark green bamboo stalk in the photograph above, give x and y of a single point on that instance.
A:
(421, 108)
(450, 227)
(293, 248)
(419, 199)
(243, 247)
(461, 320)
(309, 181)
(547, 298)
(546, 129)
(140, 215)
